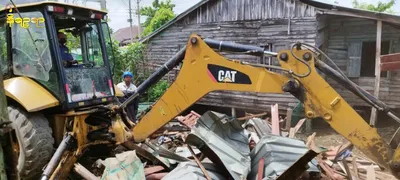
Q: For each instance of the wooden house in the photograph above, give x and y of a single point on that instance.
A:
(347, 35)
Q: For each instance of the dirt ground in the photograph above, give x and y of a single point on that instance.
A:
(328, 137)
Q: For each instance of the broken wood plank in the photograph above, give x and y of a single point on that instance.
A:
(329, 172)
(345, 146)
(355, 167)
(288, 119)
(199, 163)
(156, 176)
(291, 133)
(252, 116)
(298, 125)
(371, 173)
(360, 161)
(347, 169)
(382, 175)
(152, 170)
(260, 174)
(310, 139)
(275, 119)
(340, 164)
(84, 172)
(329, 162)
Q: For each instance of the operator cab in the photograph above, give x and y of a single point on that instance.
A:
(32, 49)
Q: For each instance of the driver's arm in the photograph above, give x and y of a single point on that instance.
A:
(66, 56)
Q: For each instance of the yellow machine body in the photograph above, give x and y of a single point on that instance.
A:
(29, 94)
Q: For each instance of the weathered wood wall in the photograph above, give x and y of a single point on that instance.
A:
(242, 10)
(256, 22)
(343, 36)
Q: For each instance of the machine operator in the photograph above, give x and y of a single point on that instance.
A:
(67, 58)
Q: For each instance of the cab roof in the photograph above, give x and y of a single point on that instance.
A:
(44, 3)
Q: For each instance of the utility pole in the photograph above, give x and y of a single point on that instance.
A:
(130, 20)
(138, 16)
(103, 5)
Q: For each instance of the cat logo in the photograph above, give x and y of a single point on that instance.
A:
(226, 76)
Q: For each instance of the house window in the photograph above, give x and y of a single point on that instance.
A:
(368, 58)
(361, 58)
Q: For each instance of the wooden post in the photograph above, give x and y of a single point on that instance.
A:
(275, 119)
(233, 111)
(377, 70)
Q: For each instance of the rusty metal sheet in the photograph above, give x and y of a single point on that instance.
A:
(390, 62)
(224, 141)
(390, 58)
(390, 66)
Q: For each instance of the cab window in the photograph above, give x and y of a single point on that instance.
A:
(94, 50)
(30, 48)
(3, 47)
(31, 52)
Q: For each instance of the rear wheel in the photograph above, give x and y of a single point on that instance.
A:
(31, 143)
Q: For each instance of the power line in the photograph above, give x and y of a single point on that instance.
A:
(125, 3)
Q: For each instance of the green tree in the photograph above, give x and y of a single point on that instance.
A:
(150, 11)
(161, 17)
(380, 7)
(156, 91)
(127, 58)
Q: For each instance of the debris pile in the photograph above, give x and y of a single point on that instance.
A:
(340, 163)
(217, 146)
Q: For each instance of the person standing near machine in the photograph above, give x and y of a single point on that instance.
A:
(128, 88)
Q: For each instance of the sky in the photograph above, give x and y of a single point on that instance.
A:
(118, 10)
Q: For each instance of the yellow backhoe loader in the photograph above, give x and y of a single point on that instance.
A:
(46, 96)
(71, 107)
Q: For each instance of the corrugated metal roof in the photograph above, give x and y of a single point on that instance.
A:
(279, 154)
(124, 34)
(335, 9)
(224, 141)
(330, 9)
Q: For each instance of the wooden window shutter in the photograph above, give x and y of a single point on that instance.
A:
(354, 52)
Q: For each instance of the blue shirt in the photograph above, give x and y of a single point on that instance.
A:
(65, 55)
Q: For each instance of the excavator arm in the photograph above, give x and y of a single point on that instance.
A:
(204, 70)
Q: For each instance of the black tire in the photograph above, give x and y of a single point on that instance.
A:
(35, 142)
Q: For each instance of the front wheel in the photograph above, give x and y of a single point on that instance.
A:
(31, 143)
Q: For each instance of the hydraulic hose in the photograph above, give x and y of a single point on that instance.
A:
(372, 100)
(156, 76)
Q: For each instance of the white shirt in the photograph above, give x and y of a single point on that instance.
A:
(125, 89)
